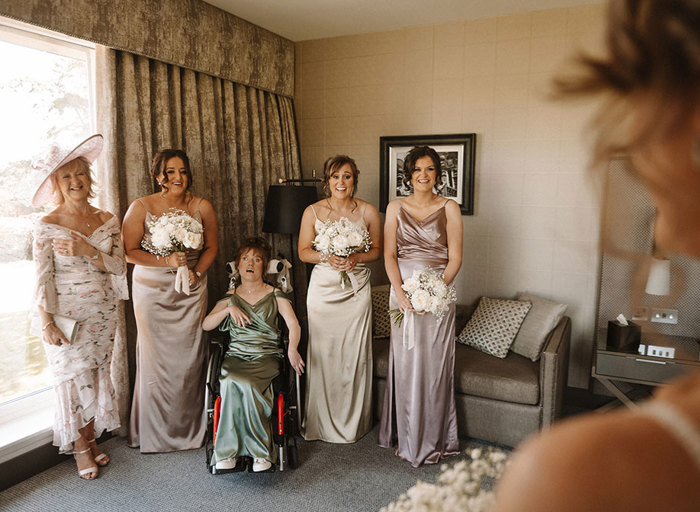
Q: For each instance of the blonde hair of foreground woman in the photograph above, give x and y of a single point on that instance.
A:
(649, 84)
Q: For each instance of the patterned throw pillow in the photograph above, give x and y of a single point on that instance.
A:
(381, 323)
(494, 324)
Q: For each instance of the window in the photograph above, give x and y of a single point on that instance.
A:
(46, 94)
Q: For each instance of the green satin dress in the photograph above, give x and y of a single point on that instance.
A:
(251, 362)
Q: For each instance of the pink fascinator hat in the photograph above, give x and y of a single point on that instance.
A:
(56, 157)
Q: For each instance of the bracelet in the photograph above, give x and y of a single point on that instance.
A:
(46, 325)
(198, 274)
(97, 255)
(322, 257)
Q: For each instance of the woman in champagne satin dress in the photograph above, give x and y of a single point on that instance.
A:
(167, 411)
(422, 230)
(339, 356)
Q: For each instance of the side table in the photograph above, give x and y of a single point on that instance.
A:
(613, 366)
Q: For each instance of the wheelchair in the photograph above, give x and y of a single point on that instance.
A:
(285, 411)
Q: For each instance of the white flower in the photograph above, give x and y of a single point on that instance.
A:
(410, 285)
(161, 238)
(420, 300)
(354, 239)
(192, 240)
(322, 243)
(340, 243)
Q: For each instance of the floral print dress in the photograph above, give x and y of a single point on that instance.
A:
(72, 286)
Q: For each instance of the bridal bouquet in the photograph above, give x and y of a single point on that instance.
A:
(342, 238)
(175, 231)
(427, 291)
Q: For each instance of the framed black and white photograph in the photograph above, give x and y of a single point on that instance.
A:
(456, 159)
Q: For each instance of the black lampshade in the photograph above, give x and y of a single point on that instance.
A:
(284, 207)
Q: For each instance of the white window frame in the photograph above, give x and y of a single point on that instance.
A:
(26, 422)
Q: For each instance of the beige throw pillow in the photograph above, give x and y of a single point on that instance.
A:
(542, 318)
(493, 326)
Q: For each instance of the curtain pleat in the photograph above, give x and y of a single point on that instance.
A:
(239, 141)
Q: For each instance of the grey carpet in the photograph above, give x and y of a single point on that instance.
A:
(359, 476)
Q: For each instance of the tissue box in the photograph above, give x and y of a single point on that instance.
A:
(623, 337)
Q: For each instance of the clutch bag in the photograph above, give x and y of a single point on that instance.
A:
(68, 326)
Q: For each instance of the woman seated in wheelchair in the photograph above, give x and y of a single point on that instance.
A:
(252, 361)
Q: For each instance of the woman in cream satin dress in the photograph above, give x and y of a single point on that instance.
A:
(167, 411)
(339, 355)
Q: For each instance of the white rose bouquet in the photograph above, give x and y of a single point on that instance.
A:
(427, 291)
(175, 231)
(342, 238)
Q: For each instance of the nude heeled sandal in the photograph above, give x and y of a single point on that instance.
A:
(100, 456)
(92, 470)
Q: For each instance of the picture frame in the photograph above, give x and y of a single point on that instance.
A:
(457, 155)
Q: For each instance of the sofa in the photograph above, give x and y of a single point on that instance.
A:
(498, 400)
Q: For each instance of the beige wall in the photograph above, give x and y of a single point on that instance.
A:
(535, 226)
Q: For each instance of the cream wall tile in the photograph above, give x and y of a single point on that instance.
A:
(511, 91)
(585, 18)
(342, 47)
(449, 34)
(574, 256)
(312, 157)
(447, 120)
(341, 102)
(542, 156)
(313, 51)
(418, 66)
(504, 253)
(508, 156)
(544, 122)
(418, 97)
(536, 282)
(313, 132)
(312, 76)
(517, 26)
(547, 53)
(418, 38)
(513, 56)
(537, 254)
(476, 225)
(387, 69)
(393, 42)
(552, 22)
(505, 220)
(481, 31)
(479, 121)
(510, 123)
(577, 224)
(411, 124)
(540, 189)
(312, 103)
(475, 251)
(339, 131)
(471, 284)
(539, 222)
(449, 63)
(576, 190)
(503, 283)
(479, 92)
(504, 189)
(479, 59)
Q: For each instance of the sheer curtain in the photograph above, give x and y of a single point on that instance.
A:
(239, 140)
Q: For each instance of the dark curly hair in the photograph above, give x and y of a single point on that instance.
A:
(332, 165)
(409, 164)
(257, 244)
(161, 159)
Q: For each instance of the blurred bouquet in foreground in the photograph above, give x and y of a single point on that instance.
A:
(342, 238)
(465, 486)
(174, 231)
(427, 292)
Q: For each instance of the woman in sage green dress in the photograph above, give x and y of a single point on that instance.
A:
(249, 315)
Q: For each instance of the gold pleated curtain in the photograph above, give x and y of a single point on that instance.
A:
(239, 140)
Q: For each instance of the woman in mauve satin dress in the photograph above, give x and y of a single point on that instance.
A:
(422, 230)
(167, 411)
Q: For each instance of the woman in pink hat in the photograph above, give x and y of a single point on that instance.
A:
(80, 277)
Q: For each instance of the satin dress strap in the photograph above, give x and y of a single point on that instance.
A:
(677, 424)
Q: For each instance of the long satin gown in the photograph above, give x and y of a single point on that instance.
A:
(167, 411)
(252, 361)
(419, 417)
(339, 355)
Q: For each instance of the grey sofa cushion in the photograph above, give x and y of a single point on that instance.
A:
(540, 320)
(512, 379)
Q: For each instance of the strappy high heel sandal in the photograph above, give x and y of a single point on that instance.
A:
(82, 473)
(101, 459)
